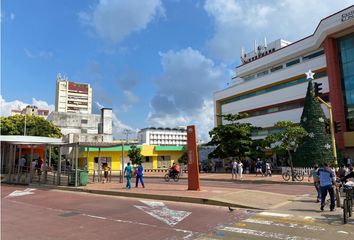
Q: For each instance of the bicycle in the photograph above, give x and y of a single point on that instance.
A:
(297, 176)
(174, 176)
(347, 203)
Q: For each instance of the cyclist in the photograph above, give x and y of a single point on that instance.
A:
(175, 169)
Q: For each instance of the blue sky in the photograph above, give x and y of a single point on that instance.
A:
(155, 62)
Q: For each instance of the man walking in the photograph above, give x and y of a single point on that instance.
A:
(128, 174)
(327, 180)
(139, 175)
(234, 169)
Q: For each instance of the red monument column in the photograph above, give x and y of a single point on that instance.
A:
(193, 164)
(336, 96)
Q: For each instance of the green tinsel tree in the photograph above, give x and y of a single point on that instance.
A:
(316, 146)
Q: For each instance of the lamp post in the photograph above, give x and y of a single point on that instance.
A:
(126, 132)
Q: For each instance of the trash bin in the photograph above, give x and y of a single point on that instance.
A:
(83, 177)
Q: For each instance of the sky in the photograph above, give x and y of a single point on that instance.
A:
(154, 62)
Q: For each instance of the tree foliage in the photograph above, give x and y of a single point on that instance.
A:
(287, 139)
(316, 146)
(135, 155)
(35, 126)
(232, 139)
(183, 159)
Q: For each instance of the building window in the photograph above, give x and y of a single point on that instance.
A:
(83, 130)
(346, 52)
(313, 55)
(84, 121)
(296, 61)
(261, 74)
(276, 68)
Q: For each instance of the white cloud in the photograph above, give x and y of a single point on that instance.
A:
(185, 91)
(239, 22)
(113, 20)
(38, 54)
(6, 107)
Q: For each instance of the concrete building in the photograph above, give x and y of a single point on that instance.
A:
(163, 136)
(72, 97)
(30, 110)
(270, 84)
(83, 127)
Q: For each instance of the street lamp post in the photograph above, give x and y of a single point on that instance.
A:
(24, 129)
(126, 132)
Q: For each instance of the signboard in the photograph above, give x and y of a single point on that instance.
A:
(193, 165)
(347, 16)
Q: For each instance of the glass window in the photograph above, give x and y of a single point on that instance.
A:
(296, 61)
(313, 55)
(276, 68)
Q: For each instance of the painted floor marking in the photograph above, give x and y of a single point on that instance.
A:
(17, 193)
(264, 234)
(159, 211)
(342, 232)
(290, 225)
(274, 214)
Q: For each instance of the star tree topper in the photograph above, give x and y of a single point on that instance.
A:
(309, 74)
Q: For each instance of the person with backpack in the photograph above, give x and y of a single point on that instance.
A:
(128, 174)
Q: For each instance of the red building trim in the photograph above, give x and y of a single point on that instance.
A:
(335, 86)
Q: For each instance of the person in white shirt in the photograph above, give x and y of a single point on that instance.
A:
(240, 169)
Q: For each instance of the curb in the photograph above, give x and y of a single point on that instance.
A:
(204, 201)
(241, 181)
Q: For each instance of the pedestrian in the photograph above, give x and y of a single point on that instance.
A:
(269, 169)
(106, 169)
(139, 176)
(234, 169)
(240, 169)
(128, 174)
(22, 163)
(316, 182)
(341, 171)
(259, 167)
(349, 162)
(327, 180)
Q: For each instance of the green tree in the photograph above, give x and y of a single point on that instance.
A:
(257, 149)
(35, 126)
(134, 155)
(183, 159)
(232, 139)
(316, 146)
(287, 139)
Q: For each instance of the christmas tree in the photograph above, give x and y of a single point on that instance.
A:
(316, 146)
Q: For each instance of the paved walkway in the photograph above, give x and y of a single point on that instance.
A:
(248, 178)
(216, 189)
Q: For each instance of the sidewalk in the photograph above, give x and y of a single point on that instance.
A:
(234, 194)
(247, 178)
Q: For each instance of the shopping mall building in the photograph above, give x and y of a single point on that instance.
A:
(270, 84)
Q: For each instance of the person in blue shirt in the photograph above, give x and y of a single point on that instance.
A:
(128, 171)
(327, 179)
(139, 175)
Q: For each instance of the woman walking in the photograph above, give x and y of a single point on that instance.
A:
(240, 168)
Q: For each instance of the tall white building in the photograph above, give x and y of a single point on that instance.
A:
(270, 84)
(163, 136)
(72, 97)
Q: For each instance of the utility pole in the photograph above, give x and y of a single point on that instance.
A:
(126, 132)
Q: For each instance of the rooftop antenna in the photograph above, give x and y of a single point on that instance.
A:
(255, 45)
